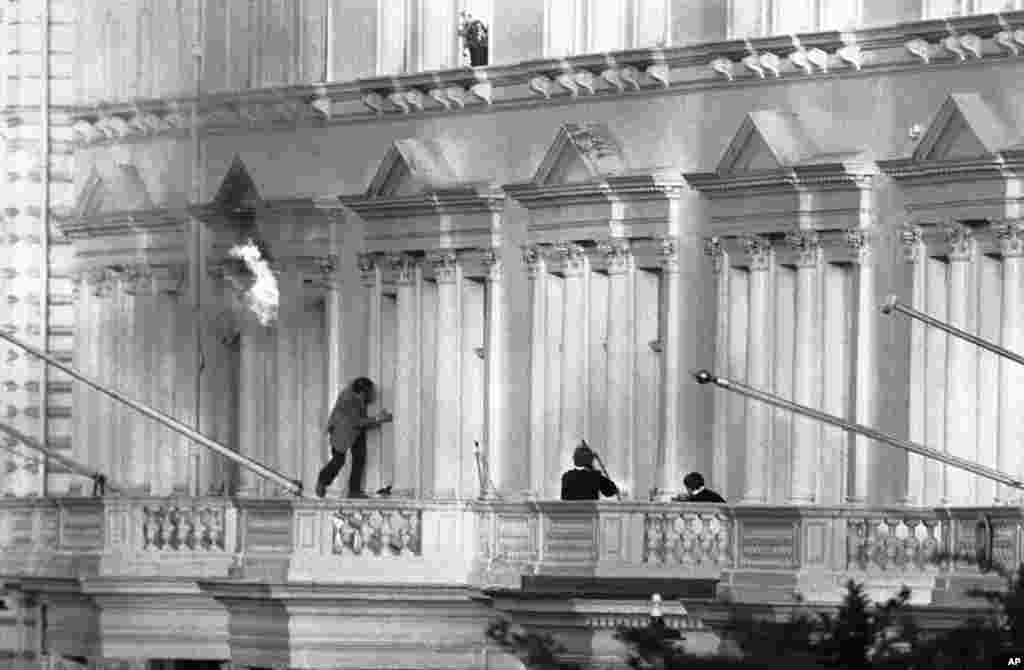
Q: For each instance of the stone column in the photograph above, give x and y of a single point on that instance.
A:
(371, 279)
(1011, 377)
(671, 475)
(537, 273)
(500, 463)
(407, 378)
(806, 431)
(759, 367)
(620, 364)
(250, 410)
(914, 253)
(961, 437)
(447, 432)
(865, 380)
(720, 439)
(574, 369)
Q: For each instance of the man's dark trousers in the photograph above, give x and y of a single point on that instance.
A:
(355, 476)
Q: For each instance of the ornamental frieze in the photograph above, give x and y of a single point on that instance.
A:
(925, 44)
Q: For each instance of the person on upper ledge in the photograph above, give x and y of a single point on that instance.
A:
(696, 492)
(584, 482)
(346, 429)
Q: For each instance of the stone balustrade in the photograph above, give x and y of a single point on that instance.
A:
(757, 553)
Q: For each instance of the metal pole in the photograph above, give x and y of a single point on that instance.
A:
(72, 465)
(705, 377)
(175, 425)
(893, 304)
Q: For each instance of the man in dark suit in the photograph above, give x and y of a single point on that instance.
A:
(346, 429)
(583, 482)
(695, 491)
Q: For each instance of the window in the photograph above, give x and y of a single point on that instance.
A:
(943, 9)
(760, 18)
(393, 33)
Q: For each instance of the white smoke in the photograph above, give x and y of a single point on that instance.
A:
(262, 297)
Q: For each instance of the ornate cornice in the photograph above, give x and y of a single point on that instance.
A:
(807, 245)
(760, 251)
(493, 265)
(618, 255)
(960, 241)
(716, 251)
(533, 259)
(572, 258)
(446, 265)
(1010, 236)
(912, 241)
(134, 279)
(920, 45)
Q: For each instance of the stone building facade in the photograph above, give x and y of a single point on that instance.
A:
(523, 255)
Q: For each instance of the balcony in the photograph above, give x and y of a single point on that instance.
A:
(746, 553)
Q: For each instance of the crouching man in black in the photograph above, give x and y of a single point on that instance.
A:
(583, 482)
(695, 491)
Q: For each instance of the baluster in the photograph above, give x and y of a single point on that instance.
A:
(147, 528)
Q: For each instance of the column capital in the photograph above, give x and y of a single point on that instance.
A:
(669, 254)
(960, 242)
(572, 256)
(807, 245)
(1010, 235)
(368, 268)
(404, 266)
(760, 251)
(912, 240)
(493, 265)
(617, 253)
(445, 265)
(860, 243)
(713, 248)
(533, 258)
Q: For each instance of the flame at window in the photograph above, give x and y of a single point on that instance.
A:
(262, 296)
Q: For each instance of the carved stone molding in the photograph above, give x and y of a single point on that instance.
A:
(572, 256)
(446, 264)
(404, 266)
(368, 268)
(669, 254)
(859, 242)
(713, 248)
(760, 251)
(533, 258)
(912, 240)
(960, 242)
(807, 245)
(493, 265)
(1010, 236)
(618, 255)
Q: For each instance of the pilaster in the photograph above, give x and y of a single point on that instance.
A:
(620, 381)
(759, 364)
(865, 375)
(960, 415)
(915, 254)
(715, 250)
(408, 278)
(371, 279)
(537, 274)
(806, 431)
(448, 450)
(670, 473)
(1011, 377)
(500, 462)
(575, 267)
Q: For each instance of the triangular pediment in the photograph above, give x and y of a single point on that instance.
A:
(581, 152)
(767, 140)
(409, 167)
(965, 127)
(119, 190)
(237, 190)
